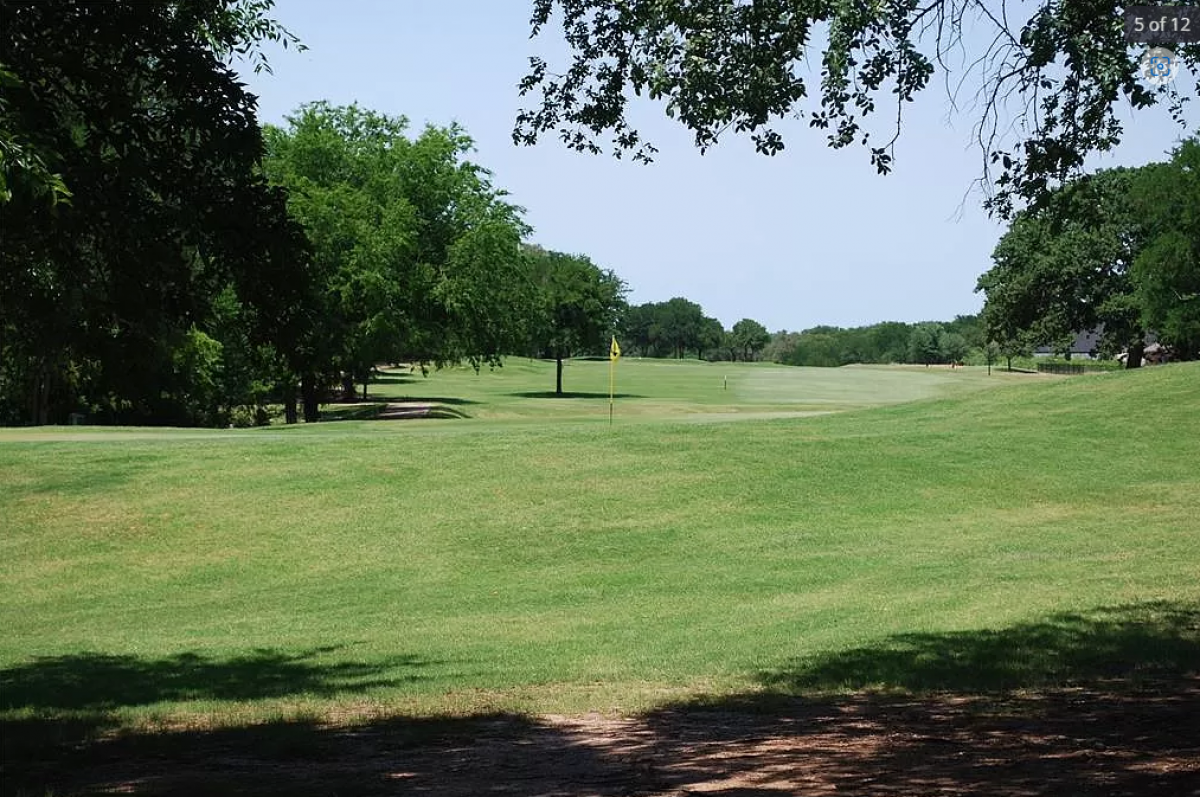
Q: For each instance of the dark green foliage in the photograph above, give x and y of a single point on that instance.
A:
(718, 65)
(1064, 269)
(923, 343)
(1117, 251)
(1166, 272)
(134, 106)
(750, 337)
(23, 168)
(671, 329)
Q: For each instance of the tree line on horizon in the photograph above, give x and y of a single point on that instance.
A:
(167, 259)
(922, 343)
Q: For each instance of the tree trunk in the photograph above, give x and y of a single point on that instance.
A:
(558, 375)
(1136, 351)
(289, 403)
(39, 395)
(308, 389)
(365, 380)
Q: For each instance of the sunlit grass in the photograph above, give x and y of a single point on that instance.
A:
(533, 557)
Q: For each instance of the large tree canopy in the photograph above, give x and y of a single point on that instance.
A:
(1066, 270)
(134, 110)
(417, 254)
(1117, 251)
(1166, 272)
(1057, 71)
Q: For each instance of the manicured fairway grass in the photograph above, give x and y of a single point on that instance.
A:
(531, 557)
(657, 390)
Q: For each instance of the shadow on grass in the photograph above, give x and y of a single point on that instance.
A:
(1103, 703)
(566, 394)
(92, 474)
(96, 681)
(1122, 642)
(395, 379)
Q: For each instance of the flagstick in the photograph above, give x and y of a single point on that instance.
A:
(612, 364)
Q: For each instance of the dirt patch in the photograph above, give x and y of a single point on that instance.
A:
(1106, 740)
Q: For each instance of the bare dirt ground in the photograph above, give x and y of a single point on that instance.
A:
(1110, 740)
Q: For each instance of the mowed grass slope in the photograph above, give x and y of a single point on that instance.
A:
(366, 568)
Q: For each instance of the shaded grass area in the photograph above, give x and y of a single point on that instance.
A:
(1115, 742)
(1147, 641)
(102, 682)
(1106, 702)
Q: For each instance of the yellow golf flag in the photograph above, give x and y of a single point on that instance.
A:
(614, 351)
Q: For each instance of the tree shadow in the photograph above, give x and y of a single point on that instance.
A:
(102, 682)
(1114, 642)
(100, 474)
(1111, 706)
(1100, 703)
(566, 394)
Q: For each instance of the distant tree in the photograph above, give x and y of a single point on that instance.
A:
(1165, 273)
(1065, 268)
(750, 337)
(678, 324)
(634, 327)
(729, 346)
(710, 337)
(924, 343)
(952, 347)
(575, 308)
(817, 347)
(889, 342)
(780, 347)
(1013, 347)
(970, 327)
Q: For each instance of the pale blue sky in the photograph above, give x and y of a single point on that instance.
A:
(811, 236)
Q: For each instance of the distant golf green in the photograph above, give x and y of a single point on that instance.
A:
(529, 556)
